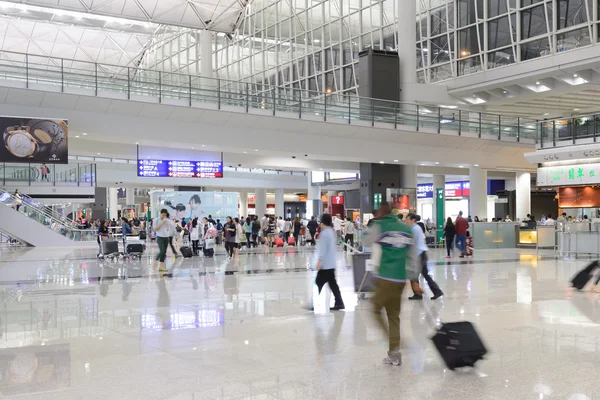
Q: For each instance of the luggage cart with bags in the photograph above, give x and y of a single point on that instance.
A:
(135, 247)
(109, 249)
(362, 270)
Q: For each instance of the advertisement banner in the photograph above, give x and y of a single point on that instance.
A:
(196, 204)
(31, 140)
(569, 175)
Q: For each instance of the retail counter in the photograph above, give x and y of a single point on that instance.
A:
(494, 235)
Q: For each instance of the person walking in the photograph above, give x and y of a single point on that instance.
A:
(461, 225)
(163, 237)
(396, 266)
(229, 230)
(239, 235)
(449, 233)
(248, 231)
(287, 228)
(327, 261)
(44, 170)
(349, 233)
(172, 226)
(195, 236)
(297, 228)
(421, 253)
(312, 228)
(125, 230)
(255, 231)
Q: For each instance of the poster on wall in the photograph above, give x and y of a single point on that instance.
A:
(31, 140)
(196, 204)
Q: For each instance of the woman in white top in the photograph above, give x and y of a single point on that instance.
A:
(239, 234)
(195, 236)
(162, 229)
(17, 203)
(349, 232)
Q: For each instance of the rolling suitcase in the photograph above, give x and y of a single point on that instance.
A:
(583, 277)
(186, 252)
(135, 249)
(109, 247)
(279, 242)
(292, 241)
(143, 235)
(459, 344)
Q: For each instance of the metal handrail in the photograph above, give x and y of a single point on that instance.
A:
(84, 77)
(63, 228)
(48, 211)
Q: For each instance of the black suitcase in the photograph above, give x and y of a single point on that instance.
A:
(135, 248)
(186, 252)
(143, 235)
(583, 277)
(459, 344)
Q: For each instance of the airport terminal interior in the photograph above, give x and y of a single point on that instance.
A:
(306, 199)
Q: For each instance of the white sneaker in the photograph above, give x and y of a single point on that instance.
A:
(394, 358)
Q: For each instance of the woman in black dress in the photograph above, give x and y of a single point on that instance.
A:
(449, 233)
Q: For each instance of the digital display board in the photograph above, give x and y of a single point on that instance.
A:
(452, 189)
(180, 169)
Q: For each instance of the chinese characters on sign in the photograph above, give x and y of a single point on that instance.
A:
(452, 189)
(180, 169)
(584, 174)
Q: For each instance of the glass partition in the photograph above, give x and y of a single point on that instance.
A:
(47, 174)
(494, 235)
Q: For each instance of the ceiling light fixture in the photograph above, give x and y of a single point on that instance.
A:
(574, 75)
(76, 136)
(546, 113)
(476, 165)
(381, 162)
(504, 91)
(461, 166)
(537, 83)
(98, 153)
(84, 134)
(437, 163)
(576, 109)
(255, 149)
(395, 160)
(245, 152)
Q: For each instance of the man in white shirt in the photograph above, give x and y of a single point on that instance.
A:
(549, 220)
(280, 224)
(349, 232)
(337, 226)
(161, 228)
(422, 249)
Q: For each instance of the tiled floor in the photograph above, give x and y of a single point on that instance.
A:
(76, 328)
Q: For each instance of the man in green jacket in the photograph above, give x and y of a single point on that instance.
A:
(394, 255)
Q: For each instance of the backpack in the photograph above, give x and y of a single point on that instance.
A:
(219, 226)
(178, 228)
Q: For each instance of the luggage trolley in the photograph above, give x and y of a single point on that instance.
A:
(364, 280)
(134, 247)
(109, 249)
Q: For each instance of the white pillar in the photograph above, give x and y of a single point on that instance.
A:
(523, 195)
(279, 207)
(313, 200)
(439, 182)
(409, 176)
(206, 54)
(260, 202)
(243, 204)
(129, 196)
(113, 203)
(407, 49)
(478, 196)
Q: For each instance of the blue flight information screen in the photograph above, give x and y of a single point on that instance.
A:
(180, 169)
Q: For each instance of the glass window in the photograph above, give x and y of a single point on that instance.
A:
(468, 44)
(422, 25)
(571, 13)
(501, 58)
(439, 22)
(441, 73)
(535, 49)
(572, 40)
(388, 38)
(499, 33)
(348, 77)
(498, 7)
(533, 22)
(440, 51)
(469, 66)
(525, 3)
(469, 11)
(329, 82)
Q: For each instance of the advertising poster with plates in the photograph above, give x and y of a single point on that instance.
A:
(34, 140)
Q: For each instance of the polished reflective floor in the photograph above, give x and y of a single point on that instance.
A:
(74, 327)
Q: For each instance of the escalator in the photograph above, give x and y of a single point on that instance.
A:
(34, 224)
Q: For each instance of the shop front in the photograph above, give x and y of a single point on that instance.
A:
(456, 195)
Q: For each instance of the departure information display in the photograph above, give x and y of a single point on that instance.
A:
(180, 169)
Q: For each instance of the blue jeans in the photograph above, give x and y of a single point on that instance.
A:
(461, 242)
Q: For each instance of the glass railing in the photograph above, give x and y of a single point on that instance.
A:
(55, 175)
(78, 77)
(47, 217)
(565, 131)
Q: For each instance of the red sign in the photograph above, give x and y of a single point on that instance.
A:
(336, 200)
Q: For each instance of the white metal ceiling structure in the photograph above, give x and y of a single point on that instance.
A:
(214, 15)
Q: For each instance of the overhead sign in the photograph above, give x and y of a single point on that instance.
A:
(180, 169)
(452, 189)
(336, 200)
(569, 175)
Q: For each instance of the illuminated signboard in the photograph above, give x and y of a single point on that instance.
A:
(452, 189)
(180, 169)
